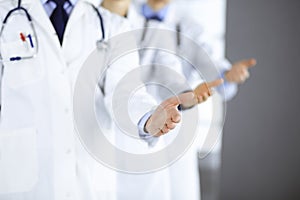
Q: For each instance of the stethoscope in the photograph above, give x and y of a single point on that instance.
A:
(144, 33)
(32, 40)
(178, 32)
(24, 38)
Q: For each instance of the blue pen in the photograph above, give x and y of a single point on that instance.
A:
(30, 40)
(18, 58)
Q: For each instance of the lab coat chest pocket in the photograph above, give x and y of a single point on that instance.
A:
(18, 160)
(22, 72)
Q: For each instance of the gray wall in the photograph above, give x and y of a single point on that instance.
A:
(261, 144)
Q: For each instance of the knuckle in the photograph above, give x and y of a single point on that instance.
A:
(171, 125)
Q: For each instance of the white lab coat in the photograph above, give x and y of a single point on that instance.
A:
(184, 173)
(150, 57)
(155, 56)
(155, 185)
(40, 155)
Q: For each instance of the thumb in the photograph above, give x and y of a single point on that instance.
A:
(215, 83)
(176, 100)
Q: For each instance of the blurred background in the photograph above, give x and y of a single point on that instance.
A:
(261, 141)
(258, 156)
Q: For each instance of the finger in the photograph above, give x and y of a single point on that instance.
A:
(241, 79)
(171, 125)
(174, 115)
(200, 99)
(159, 133)
(176, 118)
(165, 130)
(176, 100)
(249, 62)
(205, 96)
(215, 83)
(245, 73)
(186, 97)
(168, 102)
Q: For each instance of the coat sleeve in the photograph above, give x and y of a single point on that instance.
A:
(161, 66)
(125, 96)
(212, 45)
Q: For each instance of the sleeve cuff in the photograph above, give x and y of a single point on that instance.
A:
(227, 90)
(151, 140)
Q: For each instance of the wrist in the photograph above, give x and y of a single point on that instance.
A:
(146, 127)
(226, 77)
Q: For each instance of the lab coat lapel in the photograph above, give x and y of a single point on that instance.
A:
(78, 11)
(171, 17)
(40, 17)
(74, 25)
(41, 20)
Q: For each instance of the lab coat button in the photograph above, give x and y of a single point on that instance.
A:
(67, 110)
(68, 151)
(68, 195)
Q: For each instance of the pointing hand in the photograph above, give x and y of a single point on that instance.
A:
(239, 72)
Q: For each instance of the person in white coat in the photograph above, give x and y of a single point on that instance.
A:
(40, 155)
(156, 185)
(184, 173)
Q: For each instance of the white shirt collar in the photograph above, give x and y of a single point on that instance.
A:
(73, 2)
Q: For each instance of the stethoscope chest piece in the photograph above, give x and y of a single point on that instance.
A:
(102, 45)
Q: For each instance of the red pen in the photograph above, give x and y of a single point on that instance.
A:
(22, 36)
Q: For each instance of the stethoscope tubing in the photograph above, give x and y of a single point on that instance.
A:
(29, 18)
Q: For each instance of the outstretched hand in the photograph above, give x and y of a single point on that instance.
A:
(167, 116)
(239, 72)
(201, 93)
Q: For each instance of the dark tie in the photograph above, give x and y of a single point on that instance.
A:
(155, 17)
(59, 18)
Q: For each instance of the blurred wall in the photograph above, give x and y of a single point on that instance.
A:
(261, 143)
